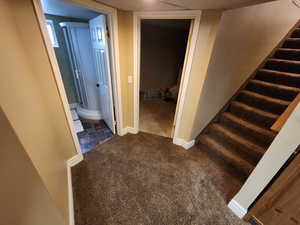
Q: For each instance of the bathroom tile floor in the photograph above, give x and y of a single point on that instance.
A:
(93, 135)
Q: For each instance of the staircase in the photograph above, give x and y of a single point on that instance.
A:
(241, 132)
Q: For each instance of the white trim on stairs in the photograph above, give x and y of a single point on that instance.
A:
(183, 143)
(237, 209)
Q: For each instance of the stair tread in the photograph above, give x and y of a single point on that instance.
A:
(249, 125)
(289, 49)
(276, 86)
(241, 140)
(284, 60)
(293, 39)
(240, 134)
(228, 155)
(266, 98)
(255, 110)
(280, 73)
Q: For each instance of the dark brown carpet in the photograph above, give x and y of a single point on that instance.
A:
(146, 180)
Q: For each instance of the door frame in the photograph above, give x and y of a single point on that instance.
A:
(195, 16)
(112, 23)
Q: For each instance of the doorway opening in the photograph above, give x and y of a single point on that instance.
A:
(163, 47)
(81, 43)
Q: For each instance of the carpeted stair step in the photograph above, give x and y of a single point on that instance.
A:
(292, 43)
(216, 148)
(296, 33)
(287, 53)
(247, 149)
(284, 65)
(273, 90)
(250, 131)
(277, 77)
(252, 114)
(241, 132)
(269, 104)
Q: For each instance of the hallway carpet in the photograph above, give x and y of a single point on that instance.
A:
(144, 179)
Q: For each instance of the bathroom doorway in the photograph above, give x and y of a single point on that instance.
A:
(81, 43)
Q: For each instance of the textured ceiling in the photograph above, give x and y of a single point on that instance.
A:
(60, 8)
(160, 5)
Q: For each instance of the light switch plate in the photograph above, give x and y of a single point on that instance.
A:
(130, 79)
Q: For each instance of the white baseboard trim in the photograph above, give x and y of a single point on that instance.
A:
(70, 197)
(237, 209)
(75, 160)
(129, 130)
(132, 130)
(72, 162)
(183, 143)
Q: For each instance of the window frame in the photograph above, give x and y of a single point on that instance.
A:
(53, 36)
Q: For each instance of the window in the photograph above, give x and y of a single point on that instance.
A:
(52, 34)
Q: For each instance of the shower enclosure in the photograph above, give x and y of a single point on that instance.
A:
(78, 41)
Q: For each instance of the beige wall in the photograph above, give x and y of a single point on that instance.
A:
(206, 38)
(246, 36)
(30, 99)
(24, 198)
(125, 31)
(208, 29)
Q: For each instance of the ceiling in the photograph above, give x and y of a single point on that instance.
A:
(60, 8)
(160, 5)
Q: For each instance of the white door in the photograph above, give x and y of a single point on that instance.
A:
(101, 59)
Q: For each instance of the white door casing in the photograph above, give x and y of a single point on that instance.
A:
(101, 59)
(195, 16)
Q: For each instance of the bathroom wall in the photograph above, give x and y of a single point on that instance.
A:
(62, 55)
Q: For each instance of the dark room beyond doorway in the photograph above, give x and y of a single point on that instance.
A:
(163, 47)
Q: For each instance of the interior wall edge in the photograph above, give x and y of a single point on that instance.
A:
(208, 28)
